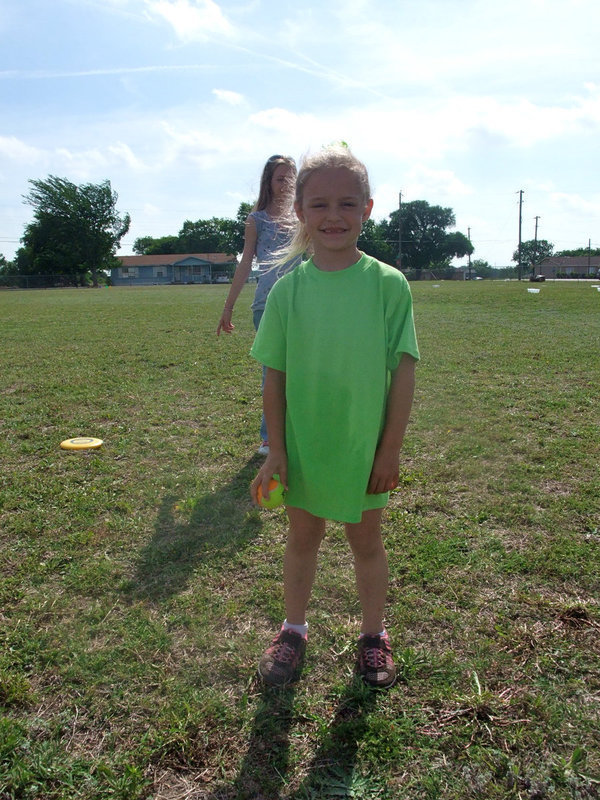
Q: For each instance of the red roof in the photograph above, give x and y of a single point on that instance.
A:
(175, 258)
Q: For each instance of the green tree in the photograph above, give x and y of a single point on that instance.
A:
(372, 241)
(482, 269)
(426, 242)
(455, 245)
(240, 225)
(580, 251)
(532, 252)
(7, 270)
(242, 214)
(76, 230)
(215, 235)
(47, 252)
(164, 245)
(141, 244)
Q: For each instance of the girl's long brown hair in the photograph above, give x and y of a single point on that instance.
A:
(265, 193)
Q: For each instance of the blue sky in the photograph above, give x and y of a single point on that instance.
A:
(179, 103)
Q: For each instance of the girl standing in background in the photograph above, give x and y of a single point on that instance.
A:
(267, 232)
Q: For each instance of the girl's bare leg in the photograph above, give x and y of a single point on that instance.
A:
(300, 562)
(370, 567)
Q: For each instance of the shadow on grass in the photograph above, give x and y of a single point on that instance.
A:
(262, 773)
(331, 772)
(221, 523)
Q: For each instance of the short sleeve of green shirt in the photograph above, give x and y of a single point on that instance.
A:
(337, 336)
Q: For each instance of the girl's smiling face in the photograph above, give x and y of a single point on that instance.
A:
(332, 209)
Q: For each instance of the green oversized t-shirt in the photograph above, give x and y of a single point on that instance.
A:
(337, 336)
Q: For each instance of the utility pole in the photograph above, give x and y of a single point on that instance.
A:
(535, 255)
(589, 256)
(400, 230)
(520, 224)
(469, 255)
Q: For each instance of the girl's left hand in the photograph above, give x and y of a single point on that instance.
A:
(385, 473)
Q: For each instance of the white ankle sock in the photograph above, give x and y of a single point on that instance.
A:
(383, 633)
(301, 629)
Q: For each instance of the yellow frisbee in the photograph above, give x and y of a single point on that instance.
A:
(81, 443)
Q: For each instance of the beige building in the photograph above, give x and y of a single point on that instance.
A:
(569, 267)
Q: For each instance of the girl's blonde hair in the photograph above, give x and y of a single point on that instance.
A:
(331, 157)
(265, 193)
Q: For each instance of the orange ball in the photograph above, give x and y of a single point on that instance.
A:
(276, 494)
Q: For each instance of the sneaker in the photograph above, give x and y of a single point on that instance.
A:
(263, 450)
(282, 660)
(375, 664)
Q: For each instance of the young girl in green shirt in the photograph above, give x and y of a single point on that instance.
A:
(338, 341)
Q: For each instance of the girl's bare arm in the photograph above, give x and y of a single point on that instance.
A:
(385, 472)
(241, 276)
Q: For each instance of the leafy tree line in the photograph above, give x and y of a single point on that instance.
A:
(426, 242)
(76, 232)
(532, 251)
(580, 251)
(215, 235)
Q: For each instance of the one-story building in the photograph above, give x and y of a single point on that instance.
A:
(569, 267)
(178, 268)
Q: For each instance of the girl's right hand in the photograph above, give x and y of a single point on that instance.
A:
(225, 323)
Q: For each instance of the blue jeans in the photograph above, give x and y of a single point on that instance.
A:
(256, 317)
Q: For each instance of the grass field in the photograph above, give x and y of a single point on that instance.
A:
(139, 586)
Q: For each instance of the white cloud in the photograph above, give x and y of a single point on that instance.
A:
(574, 202)
(231, 98)
(525, 123)
(193, 138)
(422, 181)
(13, 148)
(278, 119)
(151, 210)
(124, 153)
(440, 187)
(81, 165)
(192, 20)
